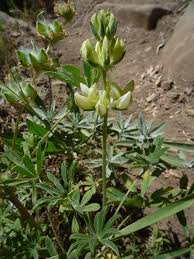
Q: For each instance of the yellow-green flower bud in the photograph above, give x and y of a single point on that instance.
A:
(122, 103)
(117, 51)
(18, 95)
(89, 53)
(102, 104)
(36, 58)
(88, 97)
(52, 32)
(121, 97)
(105, 53)
(103, 23)
(115, 91)
(66, 10)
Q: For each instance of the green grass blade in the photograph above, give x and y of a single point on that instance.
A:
(173, 254)
(158, 215)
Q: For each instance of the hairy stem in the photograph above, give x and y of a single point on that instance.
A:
(8, 193)
(104, 146)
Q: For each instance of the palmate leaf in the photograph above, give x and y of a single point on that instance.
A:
(68, 74)
(99, 221)
(13, 156)
(158, 215)
(87, 197)
(27, 161)
(49, 189)
(56, 182)
(43, 201)
(35, 128)
(22, 170)
(92, 75)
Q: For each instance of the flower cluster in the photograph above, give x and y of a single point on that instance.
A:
(66, 10)
(93, 99)
(36, 58)
(108, 51)
(18, 95)
(51, 31)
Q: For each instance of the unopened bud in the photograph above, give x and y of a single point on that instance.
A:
(66, 10)
(89, 53)
(122, 103)
(36, 58)
(52, 32)
(117, 51)
(88, 97)
(103, 23)
(102, 104)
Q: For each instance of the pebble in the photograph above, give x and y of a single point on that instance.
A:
(167, 85)
(151, 98)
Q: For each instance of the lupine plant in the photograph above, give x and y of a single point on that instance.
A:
(107, 52)
(91, 205)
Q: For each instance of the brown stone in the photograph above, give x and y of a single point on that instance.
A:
(178, 54)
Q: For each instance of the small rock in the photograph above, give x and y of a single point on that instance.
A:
(167, 106)
(150, 71)
(190, 111)
(157, 69)
(151, 98)
(167, 85)
(57, 83)
(148, 49)
(142, 76)
(177, 98)
(188, 91)
(158, 81)
(174, 97)
(181, 98)
(15, 34)
(177, 57)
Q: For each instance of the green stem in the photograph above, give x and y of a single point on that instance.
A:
(125, 197)
(104, 162)
(16, 127)
(104, 146)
